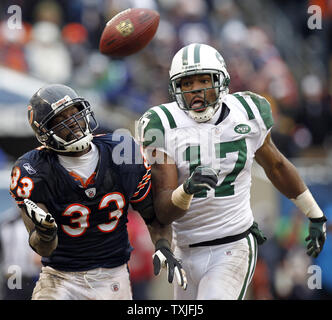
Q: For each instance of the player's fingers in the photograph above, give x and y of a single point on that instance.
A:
(209, 181)
(49, 221)
(204, 186)
(34, 217)
(310, 251)
(170, 272)
(310, 244)
(178, 277)
(156, 265)
(184, 277)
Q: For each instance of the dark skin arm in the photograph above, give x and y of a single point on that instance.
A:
(279, 170)
(158, 231)
(41, 247)
(165, 181)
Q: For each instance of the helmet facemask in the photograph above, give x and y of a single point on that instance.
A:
(219, 85)
(199, 59)
(77, 128)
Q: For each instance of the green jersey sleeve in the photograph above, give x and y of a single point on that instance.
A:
(150, 130)
(263, 107)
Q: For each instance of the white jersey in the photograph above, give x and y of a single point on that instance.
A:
(228, 146)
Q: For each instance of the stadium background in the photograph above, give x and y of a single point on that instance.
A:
(269, 48)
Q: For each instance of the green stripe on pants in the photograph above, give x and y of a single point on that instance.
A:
(252, 260)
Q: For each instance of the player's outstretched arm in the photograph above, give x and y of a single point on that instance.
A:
(161, 236)
(41, 226)
(163, 257)
(171, 201)
(284, 176)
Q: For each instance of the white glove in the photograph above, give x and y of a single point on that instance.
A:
(45, 224)
(164, 258)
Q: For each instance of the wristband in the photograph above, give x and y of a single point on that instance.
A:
(308, 205)
(181, 199)
(162, 243)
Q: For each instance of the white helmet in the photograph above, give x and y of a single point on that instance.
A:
(194, 59)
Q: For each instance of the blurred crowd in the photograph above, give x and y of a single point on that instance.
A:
(268, 48)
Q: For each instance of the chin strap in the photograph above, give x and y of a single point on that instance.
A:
(77, 146)
(203, 116)
(210, 111)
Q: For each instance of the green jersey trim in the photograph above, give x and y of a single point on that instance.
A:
(169, 116)
(149, 128)
(244, 103)
(264, 109)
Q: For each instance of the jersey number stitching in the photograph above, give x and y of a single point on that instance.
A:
(23, 191)
(226, 188)
(83, 211)
(83, 220)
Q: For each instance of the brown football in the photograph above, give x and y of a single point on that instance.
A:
(129, 32)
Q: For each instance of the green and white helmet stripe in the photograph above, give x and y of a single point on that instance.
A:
(196, 56)
(199, 58)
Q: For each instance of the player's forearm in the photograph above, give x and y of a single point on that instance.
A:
(43, 248)
(286, 179)
(159, 231)
(165, 209)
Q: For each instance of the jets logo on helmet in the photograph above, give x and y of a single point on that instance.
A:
(195, 59)
(47, 103)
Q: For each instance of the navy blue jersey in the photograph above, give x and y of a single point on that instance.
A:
(91, 216)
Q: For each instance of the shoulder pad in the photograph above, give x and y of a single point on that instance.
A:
(261, 103)
(150, 130)
(28, 175)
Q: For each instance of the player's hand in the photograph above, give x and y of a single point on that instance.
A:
(45, 224)
(317, 236)
(164, 258)
(203, 178)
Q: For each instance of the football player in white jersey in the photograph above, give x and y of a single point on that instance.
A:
(201, 147)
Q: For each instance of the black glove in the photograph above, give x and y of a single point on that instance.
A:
(45, 224)
(317, 236)
(257, 233)
(164, 258)
(203, 178)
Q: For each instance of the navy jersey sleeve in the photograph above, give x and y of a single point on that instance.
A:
(143, 187)
(27, 179)
(136, 179)
(142, 200)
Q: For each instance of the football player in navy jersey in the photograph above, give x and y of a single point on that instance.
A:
(74, 193)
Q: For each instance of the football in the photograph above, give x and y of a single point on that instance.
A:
(128, 32)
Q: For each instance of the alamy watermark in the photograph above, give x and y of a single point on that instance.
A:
(14, 21)
(14, 280)
(315, 280)
(314, 21)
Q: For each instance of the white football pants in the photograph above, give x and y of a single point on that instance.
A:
(220, 272)
(96, 284)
